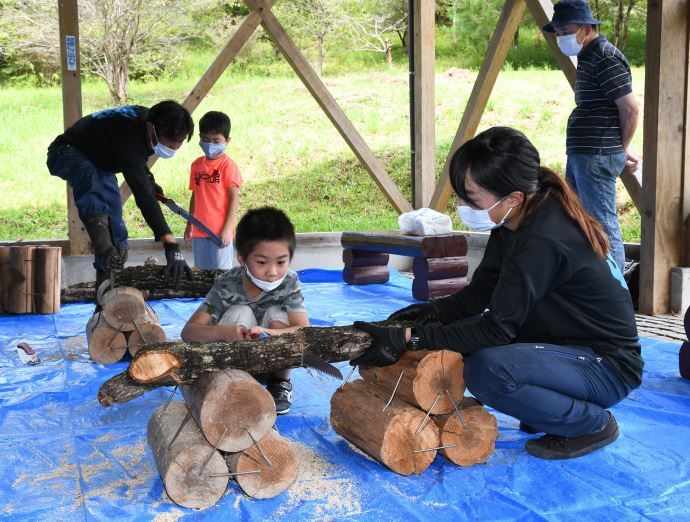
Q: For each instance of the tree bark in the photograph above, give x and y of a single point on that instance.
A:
(121, 388)
(106, 344)
(47, 272)
(227, 404)
(149, 331)
(473, 444)
(388, 435)
(180, 458)
(123, 307)
(273, 479)
(151, 280)
(426, 375)
(179, 362)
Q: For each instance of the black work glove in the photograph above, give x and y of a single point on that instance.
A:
(387, 345)
(423, 313)
(176, 266)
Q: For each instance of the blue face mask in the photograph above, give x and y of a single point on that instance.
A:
(212, 150)
(160, 150)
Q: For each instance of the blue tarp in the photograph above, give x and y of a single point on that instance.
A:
(64, 457)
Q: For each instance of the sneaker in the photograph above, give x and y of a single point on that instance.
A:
(526, 428)
(281, 391)
(553, 447)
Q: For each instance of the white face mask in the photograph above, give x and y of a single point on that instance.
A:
(161, 150)
(212, 150)
(479, 219)
(266, 286)
(568, 44)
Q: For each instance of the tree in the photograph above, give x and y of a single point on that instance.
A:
(315, 19)
(371, 23)
(116, 37)
(620, 13)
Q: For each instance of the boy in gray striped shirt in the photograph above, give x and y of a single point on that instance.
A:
(602, 125)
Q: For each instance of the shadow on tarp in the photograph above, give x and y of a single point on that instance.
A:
(64, 457)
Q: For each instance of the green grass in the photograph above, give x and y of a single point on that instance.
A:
(289, 153)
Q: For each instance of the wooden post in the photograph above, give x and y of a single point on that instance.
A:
(685, 182)
(207, 81)
(47, 272)
(496, 54)
(71, 107)
(326, 101)
(20, 298)
(666, 65)
(424, 84)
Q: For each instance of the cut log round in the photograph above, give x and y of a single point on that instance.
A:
(21, 286)
(47, 273)
(122, 307)
(357, 415)
(274, 478)
(149, 331)
(473, 444)
(426, 375)
(227, 405)
(180, 461)
(106, 344)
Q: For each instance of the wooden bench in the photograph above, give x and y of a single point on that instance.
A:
(440, 262)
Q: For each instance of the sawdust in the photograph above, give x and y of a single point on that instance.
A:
(314, 484)
(64, 470)
(104, 438)
(171, 516)
(136, 466)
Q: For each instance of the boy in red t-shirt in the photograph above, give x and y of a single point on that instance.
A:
(215, 183)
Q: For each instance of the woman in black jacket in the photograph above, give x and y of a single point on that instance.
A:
(546, 326)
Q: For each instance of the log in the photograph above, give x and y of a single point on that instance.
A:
(366, 275)
(4, 277)
(47, 279)
(151, 281)
(427, 374)
(149, 331)
(179, 362)
(106, 344)
(473, 444)
(180, 459)
(123, 307)
(439, 267)
(21, 286)
(121, 388)
(352, 258)
(226, 404)
(423, 289)
(273, 479)
(388, 435)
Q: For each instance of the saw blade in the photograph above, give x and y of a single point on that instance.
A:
(316, 362)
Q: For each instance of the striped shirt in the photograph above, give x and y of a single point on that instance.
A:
(603, 76)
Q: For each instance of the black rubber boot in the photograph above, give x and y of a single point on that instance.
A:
(98, 228)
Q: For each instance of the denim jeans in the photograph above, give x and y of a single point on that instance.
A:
(209, 255)
(96, 191)
(593, 178)
(560, 390)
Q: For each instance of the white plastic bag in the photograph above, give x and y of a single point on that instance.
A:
(424, 222)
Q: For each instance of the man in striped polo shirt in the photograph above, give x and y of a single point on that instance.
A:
(601, 127)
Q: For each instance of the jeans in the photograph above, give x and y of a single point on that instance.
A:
(593, 178)
(96, 191)
(560, 390)
(209, 255)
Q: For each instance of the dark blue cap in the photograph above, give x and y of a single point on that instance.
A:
(570, 12)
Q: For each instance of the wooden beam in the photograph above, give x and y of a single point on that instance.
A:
(71, 108)
(666, 64)
(225, 57)
(685, 182)
(496, 54)
(424, 41)
(542, 12)
(328, 104)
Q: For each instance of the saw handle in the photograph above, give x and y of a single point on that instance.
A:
(160, 197)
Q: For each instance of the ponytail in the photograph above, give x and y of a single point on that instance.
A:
(551, 185)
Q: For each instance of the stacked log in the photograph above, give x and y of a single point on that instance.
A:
(30, 279)
(387, 413)
(123, 322)
(223, 429)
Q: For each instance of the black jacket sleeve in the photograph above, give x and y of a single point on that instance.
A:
(141, 181)
(534, 267)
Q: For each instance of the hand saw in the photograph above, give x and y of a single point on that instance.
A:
(187, 216)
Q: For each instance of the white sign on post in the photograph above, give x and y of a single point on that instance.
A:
(71, 54)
